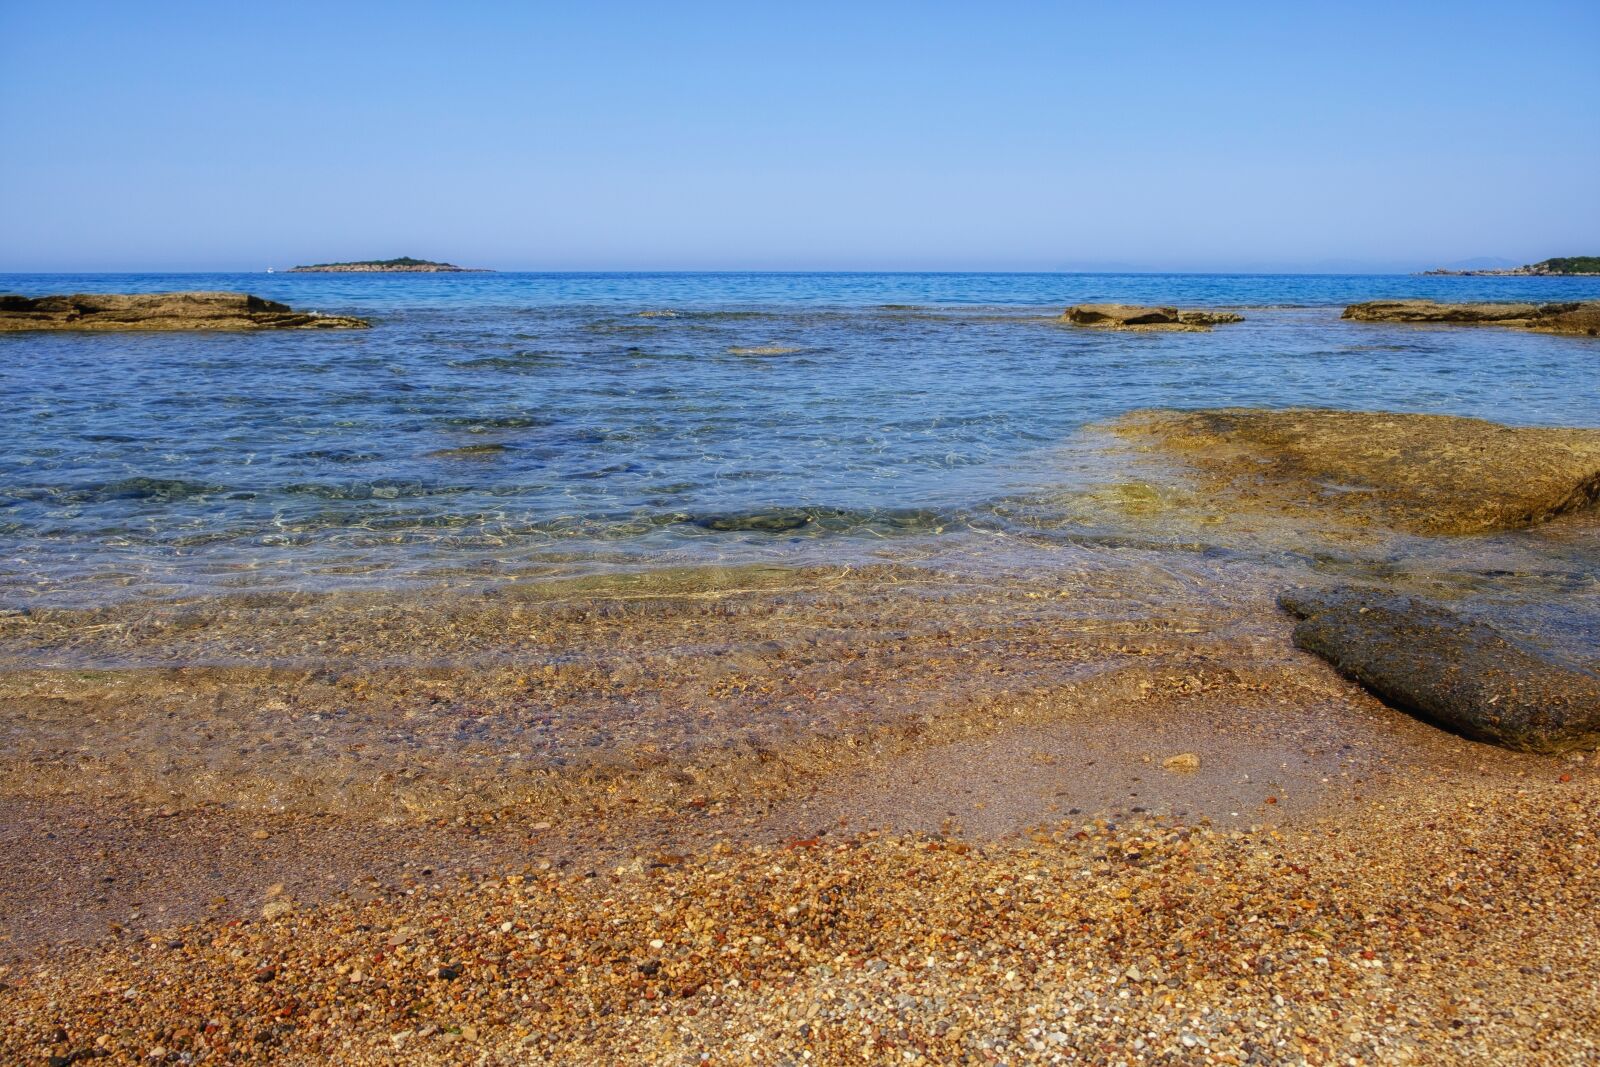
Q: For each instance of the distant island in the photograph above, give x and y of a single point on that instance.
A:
(1578, 265)
(403, 265)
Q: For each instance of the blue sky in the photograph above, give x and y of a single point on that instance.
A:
(1003, 136)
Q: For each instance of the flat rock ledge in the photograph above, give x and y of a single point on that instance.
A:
(1462, 674)
(1135, 317)
(1580, 317)
(1428, 474)
(162, 311)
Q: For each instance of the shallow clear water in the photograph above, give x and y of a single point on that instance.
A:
(500, 422)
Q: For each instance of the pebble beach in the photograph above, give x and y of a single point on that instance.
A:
(1445, 926)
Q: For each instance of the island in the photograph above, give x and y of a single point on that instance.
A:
(1582, 266)
(403, 265)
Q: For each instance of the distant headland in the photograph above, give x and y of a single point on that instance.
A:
(1579, 265)
(403, 265)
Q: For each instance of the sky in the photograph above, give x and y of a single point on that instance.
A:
(816, 136)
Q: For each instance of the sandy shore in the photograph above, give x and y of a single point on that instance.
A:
(983, 859)
(915, 812)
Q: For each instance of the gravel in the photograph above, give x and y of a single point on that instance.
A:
(1441, 925)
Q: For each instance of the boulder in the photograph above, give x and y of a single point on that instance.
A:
(1573, 317)
(161, 311)
(1134, 317)
(1430, 474)
(1457, 672)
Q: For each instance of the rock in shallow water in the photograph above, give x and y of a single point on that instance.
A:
(162, 311)
(1460, 673)
(1135, 317)
(1430, 474)
(1576, 317)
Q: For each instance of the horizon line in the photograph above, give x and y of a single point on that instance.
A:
(769, 270)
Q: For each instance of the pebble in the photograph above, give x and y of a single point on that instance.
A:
(277, 908)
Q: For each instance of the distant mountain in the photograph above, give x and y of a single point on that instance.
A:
(1480, 263)
(403, 265)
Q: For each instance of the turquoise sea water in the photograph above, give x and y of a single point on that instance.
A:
(496, 423)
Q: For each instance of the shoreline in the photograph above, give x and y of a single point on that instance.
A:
(1025, 797)
(274, 924)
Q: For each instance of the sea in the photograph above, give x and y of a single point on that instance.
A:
(494, 426)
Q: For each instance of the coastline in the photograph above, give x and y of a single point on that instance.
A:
(277, 787)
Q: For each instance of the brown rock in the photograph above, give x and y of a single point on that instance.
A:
(1576, 317)
(1433, 474)
(161, 311)
(1582, 318)
(1131, 317)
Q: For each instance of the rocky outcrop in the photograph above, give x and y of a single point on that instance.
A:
(1460, 673)
(1135, 317)
(1432, 474)
(1573, 317)
(162, 311)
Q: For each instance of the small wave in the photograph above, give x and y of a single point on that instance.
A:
(338, 455)
(522, 361)
(818, 519)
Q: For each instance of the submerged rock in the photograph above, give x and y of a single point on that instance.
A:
(484, 451)
(1575, 317)
(780, 520)
(162, 311)
(1459, 673)
(1432, 474)
(1134, 317)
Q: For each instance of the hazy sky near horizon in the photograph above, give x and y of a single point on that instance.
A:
(860, 136)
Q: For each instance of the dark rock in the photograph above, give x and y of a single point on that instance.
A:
(1458, 672)
(1133, 317)
(161, 311)
(1576, 317)
(1432, 474)
(780, 521)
